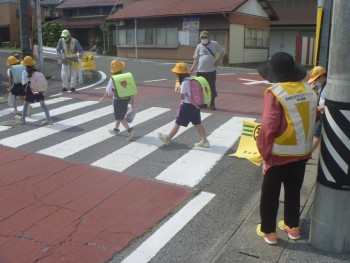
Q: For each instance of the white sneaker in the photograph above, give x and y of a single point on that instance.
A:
(131, 135)
(14, 111)
(114, 131)
(164, 138)
(46, 122)
(203, 143)
(19, 119)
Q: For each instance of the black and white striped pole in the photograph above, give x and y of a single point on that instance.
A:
(330, 229)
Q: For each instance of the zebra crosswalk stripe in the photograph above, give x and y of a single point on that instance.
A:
(7, 111)
(135, 151)
(36, 134)
(61, 110)
(184, 172)
(221, 140)
(74, 145)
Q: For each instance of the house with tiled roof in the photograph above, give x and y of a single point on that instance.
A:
(50, 10)
(170, 29)
(86, 20)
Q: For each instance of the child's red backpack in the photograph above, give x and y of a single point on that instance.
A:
(200, 91)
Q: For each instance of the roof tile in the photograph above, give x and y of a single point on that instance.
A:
(88, 3)
(153, 8)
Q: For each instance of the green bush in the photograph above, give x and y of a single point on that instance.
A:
(51, 33)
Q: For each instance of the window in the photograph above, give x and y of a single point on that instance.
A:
(130, 37)
(122, 37)
(161, 36)
(151, 37)
(256, 37)
(219, 36)
(90, 11)
(145, 37)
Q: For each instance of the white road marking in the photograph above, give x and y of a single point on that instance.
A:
(103, 78)
(155, 80)
(254, 82)
(34, 105)
(148, 249)
(37, 134)
(61, 110)
(225, 74)
(88, 139)
(221, 140)
(135, 151)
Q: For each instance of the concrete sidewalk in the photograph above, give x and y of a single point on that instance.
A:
(244, 245)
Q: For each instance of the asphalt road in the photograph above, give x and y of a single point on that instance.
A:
(234, 183)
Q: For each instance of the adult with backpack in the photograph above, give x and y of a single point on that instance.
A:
(68, 49)
(207, 57)
(14, 74)
(189, 111)
(35, 85)
(123, 88)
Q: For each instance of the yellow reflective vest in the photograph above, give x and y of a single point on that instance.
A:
(69, 52)
(299, 102)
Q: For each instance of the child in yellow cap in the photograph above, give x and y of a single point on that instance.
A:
(14, 74)
(188, 112)
(32, 96)
(120, 105)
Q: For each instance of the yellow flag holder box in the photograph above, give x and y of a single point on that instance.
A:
(88, 67)
(247, 148)
(88, 62)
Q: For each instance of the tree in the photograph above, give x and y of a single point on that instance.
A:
(51, 33)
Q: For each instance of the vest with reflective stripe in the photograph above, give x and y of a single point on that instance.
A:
(299, 102)
(69, 53)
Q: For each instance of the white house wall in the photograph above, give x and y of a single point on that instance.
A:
(255, 55)
(236, 44)
(252, 7)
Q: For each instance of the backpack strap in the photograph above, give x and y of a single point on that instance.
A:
(211, 52)
(193, 103)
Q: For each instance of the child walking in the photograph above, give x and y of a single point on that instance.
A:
(31, 96)
(14, 74)
(188, 112)
(120, 105)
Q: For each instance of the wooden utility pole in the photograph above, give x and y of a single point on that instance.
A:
(25, 28)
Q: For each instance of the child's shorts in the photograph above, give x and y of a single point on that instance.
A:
(120, 107)
(18, 90)
(33, 97)
(188, 113)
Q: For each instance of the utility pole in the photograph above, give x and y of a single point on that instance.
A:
(322, 59)
(25, 28)
(40, 37)
(330, 230)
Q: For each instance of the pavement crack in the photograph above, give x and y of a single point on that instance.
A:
(89, 244)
